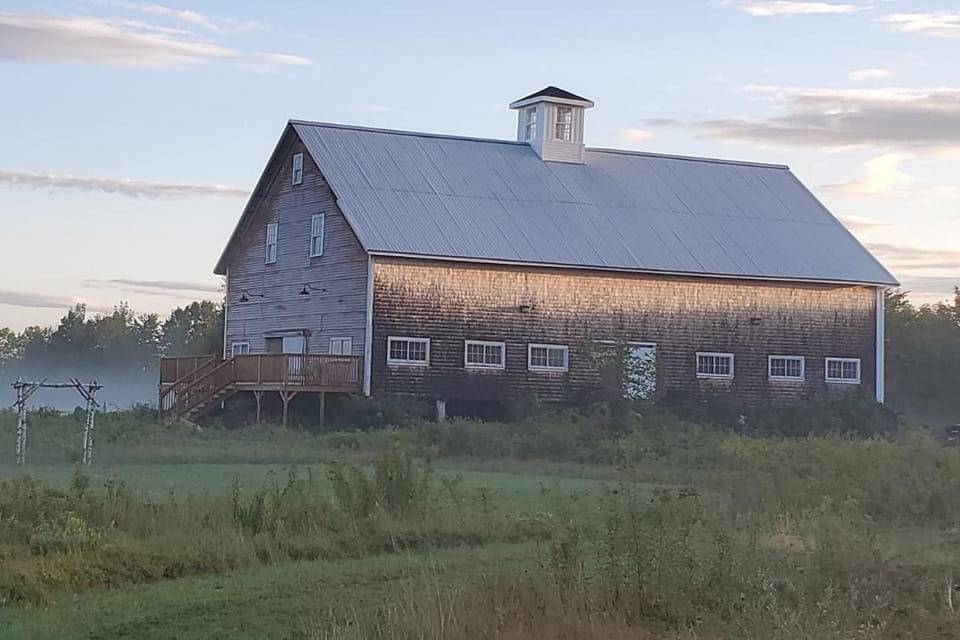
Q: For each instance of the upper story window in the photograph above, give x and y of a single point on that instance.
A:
(240, 348)
(785, 367)
(530, 123)
(563, 128)
(547, 357)
(483, 355)
(714, 365)
(317, 224)
(270, 256)
(845, 370)
(408, 351)
(297, 168)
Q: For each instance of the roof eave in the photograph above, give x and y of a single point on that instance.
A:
(586, 104)
(655, 272)
(220, 268)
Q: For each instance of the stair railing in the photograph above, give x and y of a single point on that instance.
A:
(205, 387)
(167, 399)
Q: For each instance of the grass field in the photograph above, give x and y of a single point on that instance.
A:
(660, 530)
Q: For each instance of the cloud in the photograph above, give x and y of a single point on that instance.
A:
(929, 274)
(120, 186)
(47, 38)
(38, 300)
(941, 24)
(861, 223)
(787, 8)
(883, 178)
(636, 135)
(900, 118)
(865, 75)
(160, 285)
(194, 18)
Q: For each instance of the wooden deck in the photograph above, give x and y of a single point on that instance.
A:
(189, 386)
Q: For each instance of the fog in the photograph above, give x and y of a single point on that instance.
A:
(121, 389)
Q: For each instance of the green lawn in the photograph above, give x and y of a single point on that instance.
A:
(289, 600)
(506, 490)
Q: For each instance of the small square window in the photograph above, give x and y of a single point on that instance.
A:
(785, 367)
(843, 370)
(714, 365)
(240, 349)
(408, 351)
(483, 355)
(297, 168)
(547, 357)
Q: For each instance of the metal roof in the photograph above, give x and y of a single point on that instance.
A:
(492, 200)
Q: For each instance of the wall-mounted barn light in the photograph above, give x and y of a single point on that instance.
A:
(307, 288)
(524, 308)
(246, 295)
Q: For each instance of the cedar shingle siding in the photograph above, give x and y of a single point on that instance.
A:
(450, 303)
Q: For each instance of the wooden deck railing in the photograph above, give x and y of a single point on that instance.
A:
(280, 371)
(174, 369)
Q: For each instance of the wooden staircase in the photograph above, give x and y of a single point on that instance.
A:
(209, 381)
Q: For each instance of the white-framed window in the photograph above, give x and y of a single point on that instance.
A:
(408, 351)
(843, 370)
(297, 168)
(270, 255)
(341, 346)
(548, 357)
(563, 127)
(240, 349)
(786, 367)
(481, 354)
(529, 123)
(317, 224)
(714, 365)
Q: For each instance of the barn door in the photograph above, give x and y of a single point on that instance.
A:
(642, 376)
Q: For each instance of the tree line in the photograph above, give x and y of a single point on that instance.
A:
(117, 343)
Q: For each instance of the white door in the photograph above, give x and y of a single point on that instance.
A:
(341, 346)
(642, 372)
(296, 346)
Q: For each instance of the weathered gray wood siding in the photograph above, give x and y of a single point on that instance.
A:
(450, 302)
(337, 306)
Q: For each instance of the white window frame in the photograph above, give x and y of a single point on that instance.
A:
(407, 362)
(297, 173)
(842, 361)
(800, 359)
(270, 246)
(548, 347)
(318, 228)
(484, 365)
(563, 131)
(715, 376)
(530, 124)
(244, 347)
(341, 341)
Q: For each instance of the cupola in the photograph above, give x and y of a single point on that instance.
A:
(551, 121)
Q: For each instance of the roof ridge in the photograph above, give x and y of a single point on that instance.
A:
(450, 136)
(671, 156)
(403, 132)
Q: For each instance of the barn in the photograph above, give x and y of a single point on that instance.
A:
(463, 269)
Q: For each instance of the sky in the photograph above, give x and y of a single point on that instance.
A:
(132, 132)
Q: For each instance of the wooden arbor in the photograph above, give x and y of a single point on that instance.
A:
(26, 389)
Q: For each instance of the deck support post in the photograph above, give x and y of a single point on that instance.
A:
(258, 395)
(323, 408)
(441, 410)
(286, 397)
